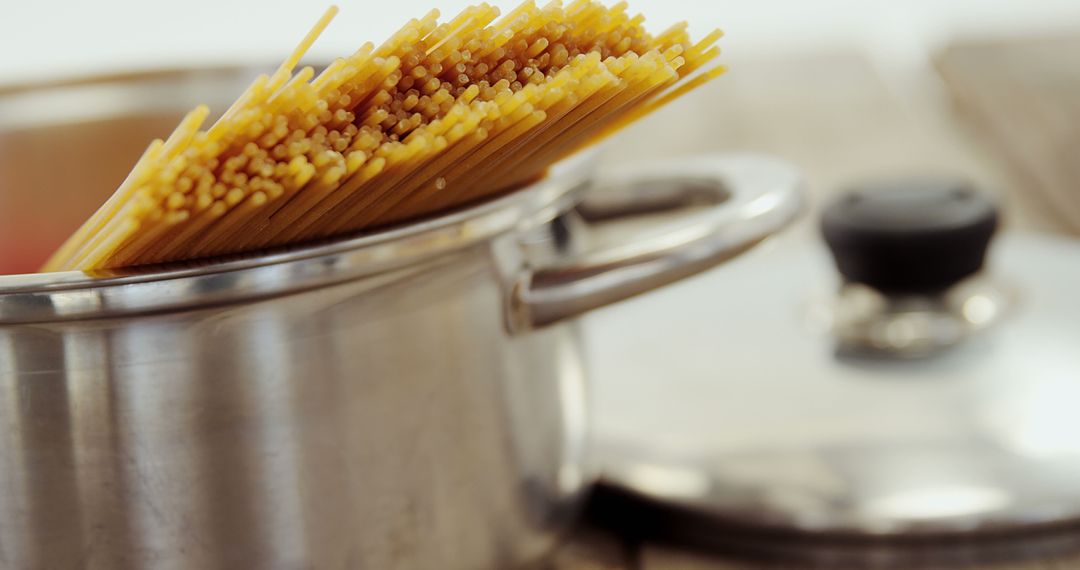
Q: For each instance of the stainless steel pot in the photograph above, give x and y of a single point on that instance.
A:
(412, 398)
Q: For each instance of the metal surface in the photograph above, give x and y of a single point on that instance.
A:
(389, 422)
(868, 322)
(741, 410)
(355, 404)
(755, 194)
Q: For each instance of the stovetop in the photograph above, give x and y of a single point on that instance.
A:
(842, 121)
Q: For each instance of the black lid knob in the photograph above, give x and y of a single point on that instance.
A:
(914, 236)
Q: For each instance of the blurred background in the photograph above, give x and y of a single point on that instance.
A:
(847, 89)
(63, 37)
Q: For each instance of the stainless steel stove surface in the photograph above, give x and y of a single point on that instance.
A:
(862, 127)
(839, 469)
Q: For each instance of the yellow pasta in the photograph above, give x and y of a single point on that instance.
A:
(439, 116)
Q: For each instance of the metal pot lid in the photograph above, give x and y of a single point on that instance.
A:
(769, 393)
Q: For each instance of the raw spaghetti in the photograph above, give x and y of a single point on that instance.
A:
(440, 115)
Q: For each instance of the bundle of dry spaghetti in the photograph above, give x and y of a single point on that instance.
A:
(440, 115)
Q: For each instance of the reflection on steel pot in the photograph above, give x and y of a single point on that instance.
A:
(411, 398)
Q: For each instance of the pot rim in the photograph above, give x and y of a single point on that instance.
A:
(44, 297)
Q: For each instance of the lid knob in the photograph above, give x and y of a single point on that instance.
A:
(909, 236)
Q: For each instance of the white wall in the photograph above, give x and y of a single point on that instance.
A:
(48, 38)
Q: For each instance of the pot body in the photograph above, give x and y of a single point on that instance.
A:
(386, 422)
(339, 411)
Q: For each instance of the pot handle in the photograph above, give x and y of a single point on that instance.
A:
(751, 197)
